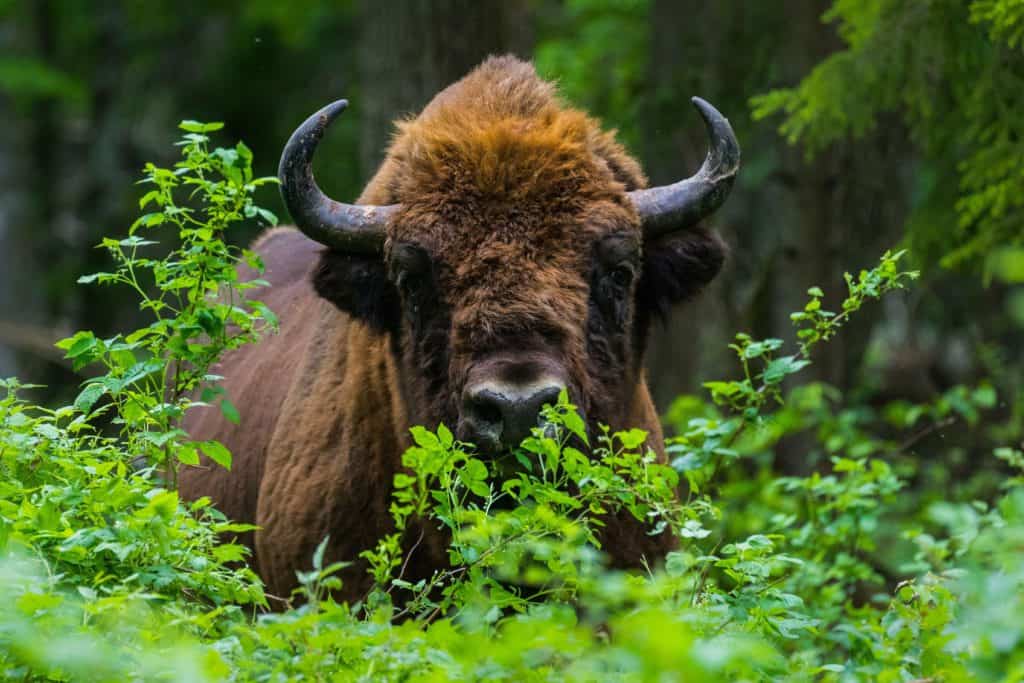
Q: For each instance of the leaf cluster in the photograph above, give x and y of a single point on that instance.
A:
(953, 71)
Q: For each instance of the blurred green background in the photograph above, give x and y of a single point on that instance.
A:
(865, 125)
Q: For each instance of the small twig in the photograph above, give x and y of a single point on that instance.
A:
(698, 587)
(287, 602)
(408, 556)
(926, 431)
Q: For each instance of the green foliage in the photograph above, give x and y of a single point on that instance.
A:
(74, 512)
(111, 577)
(953, 70)
(198, 304)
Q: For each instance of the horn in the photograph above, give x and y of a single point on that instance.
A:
(666, 209)
(353, 228)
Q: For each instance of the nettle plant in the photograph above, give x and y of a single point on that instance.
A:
(197, 302)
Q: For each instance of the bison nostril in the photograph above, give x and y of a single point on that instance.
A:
(484, 408)
(547, 396)
(502, 416)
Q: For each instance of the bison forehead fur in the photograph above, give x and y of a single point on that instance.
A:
(507, 250)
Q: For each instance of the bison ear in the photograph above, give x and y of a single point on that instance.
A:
(676, 268)
(359, 286)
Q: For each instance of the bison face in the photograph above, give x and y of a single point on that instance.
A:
(506, 249)
(491, 318)
(497, 315)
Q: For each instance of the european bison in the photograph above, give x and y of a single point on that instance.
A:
(504, 250)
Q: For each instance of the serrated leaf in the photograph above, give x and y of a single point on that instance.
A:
(632, 439)
(424, 438)
(88, 396)
(217, 452)
(268, 217)
(80, 344)
(318, 554)
(445, 436)
(778, 369)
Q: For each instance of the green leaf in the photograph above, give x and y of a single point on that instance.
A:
(198, 127)
(476, 470)
(318, 554)
(445, 436)
(268, 217)
(574, 423)
(723, 388)
(150, 196)
(217, 452)
(88, 396)
(984, 396)
(244, 154)
(48, 431)
(78, 345)
(188, 455)
(778, 369)
(229, 552)
(632, 439)
(230, 412)
(424, 438)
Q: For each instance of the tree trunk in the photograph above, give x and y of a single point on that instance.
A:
(411, 49)
(29, 173)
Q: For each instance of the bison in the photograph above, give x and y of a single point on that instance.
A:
(505, 250)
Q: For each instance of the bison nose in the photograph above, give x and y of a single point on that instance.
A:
(499, 417)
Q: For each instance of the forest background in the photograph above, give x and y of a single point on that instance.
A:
(906, 114)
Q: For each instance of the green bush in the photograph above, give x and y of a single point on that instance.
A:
(853, 572)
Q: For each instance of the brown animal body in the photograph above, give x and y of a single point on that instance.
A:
(504, 250)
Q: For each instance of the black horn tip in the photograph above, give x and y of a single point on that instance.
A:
(330, 112)
(724, 150)
(302, 143)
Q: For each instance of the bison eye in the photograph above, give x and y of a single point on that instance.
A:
(410, 285)
(416, 292)
(622, 276)
(407, 282)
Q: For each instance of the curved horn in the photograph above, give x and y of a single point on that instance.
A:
(669, 208)
(344, 227)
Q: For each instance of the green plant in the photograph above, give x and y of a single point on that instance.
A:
(198, 303)
(70, 495)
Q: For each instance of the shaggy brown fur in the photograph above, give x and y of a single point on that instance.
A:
(516, 240)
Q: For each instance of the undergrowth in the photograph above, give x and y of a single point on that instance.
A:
(848, 573)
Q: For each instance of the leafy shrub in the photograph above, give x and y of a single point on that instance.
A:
(843, 574)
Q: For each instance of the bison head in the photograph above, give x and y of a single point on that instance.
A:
(508, 250)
